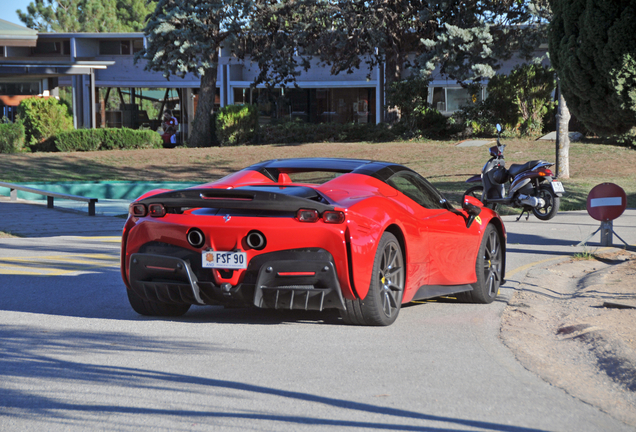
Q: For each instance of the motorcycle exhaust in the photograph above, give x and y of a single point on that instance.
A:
(533, 202)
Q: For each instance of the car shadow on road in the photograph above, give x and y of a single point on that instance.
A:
(98, 292)
(31, 353)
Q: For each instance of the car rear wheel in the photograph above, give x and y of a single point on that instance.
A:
(149, 308)
(382, 304)
(489, 269)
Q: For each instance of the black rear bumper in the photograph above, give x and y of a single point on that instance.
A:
(294, 279)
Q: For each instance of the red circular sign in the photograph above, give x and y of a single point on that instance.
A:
(606, 202)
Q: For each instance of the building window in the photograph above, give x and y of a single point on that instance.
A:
(20, 89)
(114, 47)
(138, 45)
(46, 47)
(331, 105)
(451, 99)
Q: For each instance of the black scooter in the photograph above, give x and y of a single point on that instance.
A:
(532, 187)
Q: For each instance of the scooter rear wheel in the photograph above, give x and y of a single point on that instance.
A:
(552, 203)
(478, 192)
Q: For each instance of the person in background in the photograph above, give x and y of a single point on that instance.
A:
(170, 127)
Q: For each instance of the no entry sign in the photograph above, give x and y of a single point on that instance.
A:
(606, 202)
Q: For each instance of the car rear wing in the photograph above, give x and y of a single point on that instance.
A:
(243, 199)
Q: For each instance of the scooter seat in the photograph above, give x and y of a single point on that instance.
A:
(516, 169)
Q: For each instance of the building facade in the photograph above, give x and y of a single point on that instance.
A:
(97, 75)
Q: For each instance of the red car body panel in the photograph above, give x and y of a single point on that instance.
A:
(439, 249)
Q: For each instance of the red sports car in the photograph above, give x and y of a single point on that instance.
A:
(360, 236)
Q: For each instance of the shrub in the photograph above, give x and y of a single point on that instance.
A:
(292, 132)
(237, 124)
(409, 96)
(431, 123)
(43, 118)
(11, 137)
(478, 119)
(106, 139)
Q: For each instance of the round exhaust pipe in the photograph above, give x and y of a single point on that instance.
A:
(195, 237)
(256, 240)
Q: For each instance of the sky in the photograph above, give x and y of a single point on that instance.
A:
(8, 8)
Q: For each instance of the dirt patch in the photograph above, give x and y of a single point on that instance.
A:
(573, 324)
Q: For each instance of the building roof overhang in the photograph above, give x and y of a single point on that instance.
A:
(15, 35)
(48, 68)
(129, 35)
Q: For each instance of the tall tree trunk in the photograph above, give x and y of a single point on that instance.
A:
(393, 73)
(563, 137)
(202, 129)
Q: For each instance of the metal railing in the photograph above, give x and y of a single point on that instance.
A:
(50, 196)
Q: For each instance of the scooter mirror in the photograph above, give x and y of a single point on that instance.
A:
(499, 128)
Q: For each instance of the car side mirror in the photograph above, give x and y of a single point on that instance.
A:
(472, 206)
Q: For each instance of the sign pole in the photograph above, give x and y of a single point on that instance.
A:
(606, 233)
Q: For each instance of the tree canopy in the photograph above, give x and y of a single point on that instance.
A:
(465, 38)
(185, 36)
(593, 49)
(86, 15)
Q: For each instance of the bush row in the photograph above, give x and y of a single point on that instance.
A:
(106, 139)
(300, 132)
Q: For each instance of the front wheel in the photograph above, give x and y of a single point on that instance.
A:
(382, 304)
(478, 192)
(552, 203)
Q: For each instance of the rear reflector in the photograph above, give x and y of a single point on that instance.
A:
(296, 274)
(156, 210)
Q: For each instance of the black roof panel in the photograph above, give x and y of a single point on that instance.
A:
(377, 169)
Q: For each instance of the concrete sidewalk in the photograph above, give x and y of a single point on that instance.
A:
(34, 219)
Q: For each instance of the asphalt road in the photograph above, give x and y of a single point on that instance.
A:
(74, 356)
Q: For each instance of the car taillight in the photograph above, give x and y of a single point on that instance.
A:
(333, 217)
(307, 215)
(156, 210)
(329, 216)
(137, 210)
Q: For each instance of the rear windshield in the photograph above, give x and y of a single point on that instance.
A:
(314, 177)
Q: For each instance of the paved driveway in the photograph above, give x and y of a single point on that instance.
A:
(74, 356)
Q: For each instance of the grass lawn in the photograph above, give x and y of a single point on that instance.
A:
(442, 162)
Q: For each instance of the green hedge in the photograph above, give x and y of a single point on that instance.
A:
(236, 124)
(107, 139)
(43, 118)
(11, 137)
(300, 132)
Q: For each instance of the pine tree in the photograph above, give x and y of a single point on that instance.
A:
(69, 16)
(593, 49)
